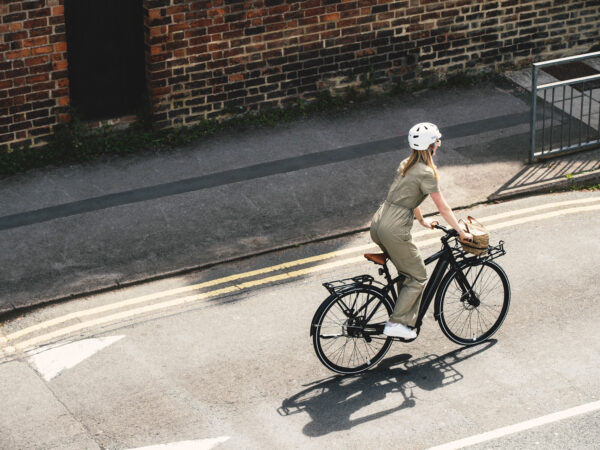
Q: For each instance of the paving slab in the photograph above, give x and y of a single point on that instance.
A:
(48, 423)
(74, 230)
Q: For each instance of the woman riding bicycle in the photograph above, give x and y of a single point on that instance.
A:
(416, 178)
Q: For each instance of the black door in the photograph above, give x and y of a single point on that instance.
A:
(105, 42)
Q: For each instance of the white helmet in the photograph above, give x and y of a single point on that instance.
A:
(422, 135)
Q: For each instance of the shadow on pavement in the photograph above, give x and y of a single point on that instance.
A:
(330, 403)
(551, 172)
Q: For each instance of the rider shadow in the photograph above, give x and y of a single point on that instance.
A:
(330, 403)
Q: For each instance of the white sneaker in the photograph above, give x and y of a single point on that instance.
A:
(399, 330)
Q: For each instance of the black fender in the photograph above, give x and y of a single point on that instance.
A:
(363, 287)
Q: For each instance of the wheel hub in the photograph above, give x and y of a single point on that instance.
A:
(470, 301)
(353, 327)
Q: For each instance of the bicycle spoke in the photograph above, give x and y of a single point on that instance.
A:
(458, 315)
(331, 344)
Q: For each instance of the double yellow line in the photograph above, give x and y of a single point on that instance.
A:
(12, 344)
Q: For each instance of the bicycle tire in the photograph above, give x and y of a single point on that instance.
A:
(335, 333)
(470, 319)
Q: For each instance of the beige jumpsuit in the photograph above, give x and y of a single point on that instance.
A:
(390, 229)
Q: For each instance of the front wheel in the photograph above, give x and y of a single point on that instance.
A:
(347, 330)
(472, 308)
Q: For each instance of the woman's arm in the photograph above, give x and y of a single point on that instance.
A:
(449, 216)
(419, 216)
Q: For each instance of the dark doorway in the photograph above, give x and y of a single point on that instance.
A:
(105, 42)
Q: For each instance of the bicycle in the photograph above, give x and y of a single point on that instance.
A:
(472, 296)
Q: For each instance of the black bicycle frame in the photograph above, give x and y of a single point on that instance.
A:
(445, 258)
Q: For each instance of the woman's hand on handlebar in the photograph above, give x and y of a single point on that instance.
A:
(429, 223)
(462, 234)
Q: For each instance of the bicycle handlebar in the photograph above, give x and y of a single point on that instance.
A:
(449, 231)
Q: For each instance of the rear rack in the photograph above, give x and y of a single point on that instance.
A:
(335, 287)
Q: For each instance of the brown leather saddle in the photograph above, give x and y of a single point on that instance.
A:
(377, 258)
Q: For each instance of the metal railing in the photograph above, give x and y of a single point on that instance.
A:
(569, 119)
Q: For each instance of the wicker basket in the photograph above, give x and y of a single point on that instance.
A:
(481, 237)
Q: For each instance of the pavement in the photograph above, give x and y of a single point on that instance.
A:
(72, 231)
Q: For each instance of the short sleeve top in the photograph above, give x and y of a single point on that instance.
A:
(410, 190)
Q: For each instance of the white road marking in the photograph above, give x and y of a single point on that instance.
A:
(200, 444)
(518, 427)
(52, 362)
(193, 298)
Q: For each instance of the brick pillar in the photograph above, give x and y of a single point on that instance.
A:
(34, 86)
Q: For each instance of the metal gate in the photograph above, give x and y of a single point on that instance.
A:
(105, 44)
(565, 115)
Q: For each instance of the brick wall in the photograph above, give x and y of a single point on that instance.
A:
(208, 58)
(215, 56)
(34, 86)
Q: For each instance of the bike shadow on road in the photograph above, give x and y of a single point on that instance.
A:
(332, 402)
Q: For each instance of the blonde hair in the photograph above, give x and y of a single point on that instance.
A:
(424, 156)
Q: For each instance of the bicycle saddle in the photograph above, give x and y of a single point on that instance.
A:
(377, 258)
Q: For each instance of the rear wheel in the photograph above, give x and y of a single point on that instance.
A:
(470, 316)
(348, 330)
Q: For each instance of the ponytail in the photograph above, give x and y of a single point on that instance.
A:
(424, 156)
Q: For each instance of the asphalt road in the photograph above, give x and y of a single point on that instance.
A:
(222, 358)
(78, 229)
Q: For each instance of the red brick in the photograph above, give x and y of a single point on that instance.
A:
(177, 9)
(18, 54)
(41, 50)
(38, 78)
(37, 41)
(314, 12)
(43, 86)
(38, 13)
(57, 20)
(36, 96)
(155, 13)
(36, 23)
(236, 77)
(60, 93)
(14, 37)
(156, 49)
(60, 65)
(44, 31)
